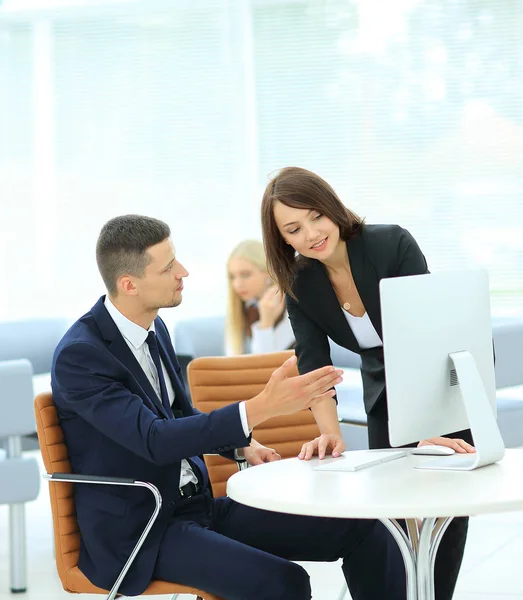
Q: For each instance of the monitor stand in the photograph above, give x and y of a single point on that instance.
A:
(487, 438)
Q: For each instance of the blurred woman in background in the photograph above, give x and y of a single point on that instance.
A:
(257, 321)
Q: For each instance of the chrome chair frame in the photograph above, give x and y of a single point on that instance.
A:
(72, 478)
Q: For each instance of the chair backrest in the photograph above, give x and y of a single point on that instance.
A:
(202, 336)
(218, 381)
(16, 399)
(34, 339)
(508, 348)
(56, 460)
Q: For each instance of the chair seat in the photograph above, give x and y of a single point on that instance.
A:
(350, 404)
(19, 479)
(77, 583)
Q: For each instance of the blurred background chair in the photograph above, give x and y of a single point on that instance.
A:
(34, 340)
(201, 336)
(508, 348)
(66, 532)
(19, 475)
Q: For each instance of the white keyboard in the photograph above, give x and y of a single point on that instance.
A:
(356, 460)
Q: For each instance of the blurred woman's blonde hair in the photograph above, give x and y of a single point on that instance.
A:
(236, 325)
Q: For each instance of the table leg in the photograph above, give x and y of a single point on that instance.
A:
(431, 533)
(423, 559)
(439, 529)
(408, 553)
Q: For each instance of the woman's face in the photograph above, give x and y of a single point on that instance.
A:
(247, 280)
(309, 232)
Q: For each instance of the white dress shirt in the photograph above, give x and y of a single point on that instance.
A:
(272, 339)
(136, 336)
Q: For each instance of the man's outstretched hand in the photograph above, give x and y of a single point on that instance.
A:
(287, 393)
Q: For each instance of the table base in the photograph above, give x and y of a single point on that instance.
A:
(419, 548)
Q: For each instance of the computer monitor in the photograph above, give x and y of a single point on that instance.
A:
(439, 367)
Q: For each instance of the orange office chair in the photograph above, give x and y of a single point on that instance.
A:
(66, 533)
(218, 381)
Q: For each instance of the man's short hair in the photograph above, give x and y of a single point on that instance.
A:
(122, 247)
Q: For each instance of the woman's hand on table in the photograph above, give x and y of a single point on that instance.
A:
(323, 445)
(460, 446)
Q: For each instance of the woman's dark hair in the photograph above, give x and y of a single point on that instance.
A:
(299, 188)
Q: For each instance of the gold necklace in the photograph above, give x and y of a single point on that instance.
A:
(347, 305)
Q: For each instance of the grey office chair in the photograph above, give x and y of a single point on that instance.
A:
(19, 476)
(34, 339)
(508, 349)
(201, 336)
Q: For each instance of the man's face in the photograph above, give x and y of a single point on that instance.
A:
(162, 283)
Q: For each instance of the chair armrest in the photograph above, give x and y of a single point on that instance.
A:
(241, 462)
(74, 478)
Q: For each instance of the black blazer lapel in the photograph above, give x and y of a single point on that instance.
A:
(366, 280)
(119, 348)
(319, 300)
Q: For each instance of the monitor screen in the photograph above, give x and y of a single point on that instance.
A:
(427, 318)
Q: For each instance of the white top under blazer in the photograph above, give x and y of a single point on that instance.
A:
(363, 330)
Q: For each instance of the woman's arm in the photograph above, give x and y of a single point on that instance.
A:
(313, 351)
(272, 339)
(312, 344)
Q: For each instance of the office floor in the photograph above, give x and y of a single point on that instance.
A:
(491, 568)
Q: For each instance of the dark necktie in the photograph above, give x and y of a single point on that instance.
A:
(195, 462)
(152, 342)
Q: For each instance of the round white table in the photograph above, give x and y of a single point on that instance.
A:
(389, 491)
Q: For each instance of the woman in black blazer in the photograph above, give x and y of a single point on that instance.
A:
(329, 264)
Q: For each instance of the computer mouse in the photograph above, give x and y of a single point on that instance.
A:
(433, 450)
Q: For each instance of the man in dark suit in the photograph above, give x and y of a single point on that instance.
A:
(124, 411)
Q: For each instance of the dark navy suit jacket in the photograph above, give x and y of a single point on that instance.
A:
(115, 425)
